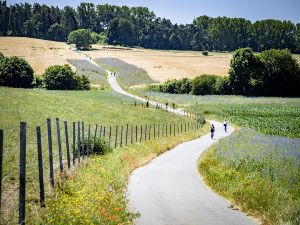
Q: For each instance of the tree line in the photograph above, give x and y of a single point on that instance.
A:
(138, 26)
(270, 73)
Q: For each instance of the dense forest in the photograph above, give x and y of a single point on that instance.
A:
(138, 26)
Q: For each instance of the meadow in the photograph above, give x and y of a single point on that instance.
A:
(258, 173)
(278, 116)
(96, 75)
(128, 75)
(34, 106)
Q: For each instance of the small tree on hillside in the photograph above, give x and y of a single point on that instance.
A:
(15, 72)
(81, 38)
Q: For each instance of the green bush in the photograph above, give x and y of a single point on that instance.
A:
(204, 84)
(37, 82)
(222, 86)
(63, 78)
(183, 86)
(15, 72)
(1, 55)
(101, 146)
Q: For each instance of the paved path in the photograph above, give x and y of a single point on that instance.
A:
(169, 190)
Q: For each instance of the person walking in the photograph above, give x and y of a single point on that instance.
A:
(212, 131)
(225, 125)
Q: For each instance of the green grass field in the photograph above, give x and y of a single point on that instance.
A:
(34, 106)
(278, 116)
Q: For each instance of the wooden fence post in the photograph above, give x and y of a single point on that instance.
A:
(146, 132)
(22, 179)
(116, 137)
(121, 140)
(78, 140)
(131, 139)
(188, 126)
(67, 144)
(170, 129)
(1, 162)
(89, 139)
(51, 172)
(141, 134)
(174, 129)
(74, 142)
(136, 133)
(109, 136)
(82, 139)
(95, 135)
(181, 128)
(40, 166)
(150, 132)
(154, 131)
(162, 130)
(166, 130)
(104, 132)
(61, 166)
(126, 134)
(158, 130)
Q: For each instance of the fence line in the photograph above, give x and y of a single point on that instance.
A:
(54, 158)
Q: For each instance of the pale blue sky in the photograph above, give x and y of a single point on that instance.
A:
(184, 11)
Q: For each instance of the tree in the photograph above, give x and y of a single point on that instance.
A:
(120, 31)
(86, 15)
(81, 38)
(68, 20)
(245, 73)
(63, 78)
(15, 72)
(282, 73)
(56, 32)
(4, 18)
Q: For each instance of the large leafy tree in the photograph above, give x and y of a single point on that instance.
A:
(81, 38)
(246, 71)
(282, 74)
(120, 31)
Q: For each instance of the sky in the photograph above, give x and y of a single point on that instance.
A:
(184, 11)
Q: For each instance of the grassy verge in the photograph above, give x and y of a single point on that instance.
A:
(96, 192)
(34, 106)
(259, 173)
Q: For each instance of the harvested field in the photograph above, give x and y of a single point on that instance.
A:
(164, 65)
(39, 53)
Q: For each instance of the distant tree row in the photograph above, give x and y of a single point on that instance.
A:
(16, 72)
(140, 27)
(269, 73)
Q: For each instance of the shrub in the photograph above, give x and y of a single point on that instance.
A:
(37, 82)
(101, 146)
(15, 72)
(1, 55)
(222, 86)
(204, 84)
(63, 78)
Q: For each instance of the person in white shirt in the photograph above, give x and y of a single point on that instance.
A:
(225, 125)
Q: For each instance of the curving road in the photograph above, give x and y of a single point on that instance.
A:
(169, 190)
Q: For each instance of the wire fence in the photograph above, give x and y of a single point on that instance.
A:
(33, 160)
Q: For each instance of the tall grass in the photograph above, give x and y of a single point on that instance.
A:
(95, 74)
(260, 173)
(34, 106)
(128, 75)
